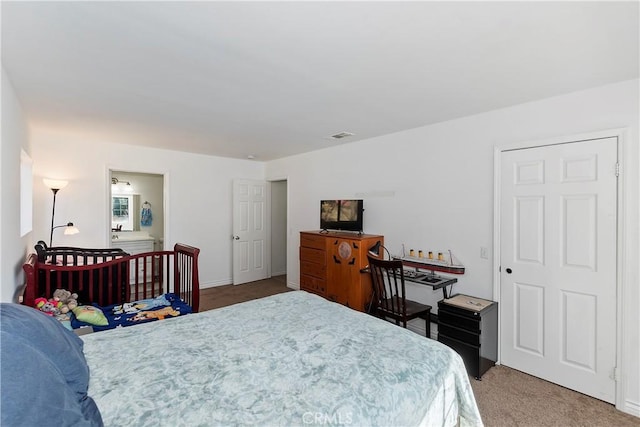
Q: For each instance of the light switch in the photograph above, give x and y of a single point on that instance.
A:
(484, 252)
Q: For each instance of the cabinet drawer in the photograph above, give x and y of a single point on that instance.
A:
(459, 334)
(312, 283)
(312, 255)
(313, 269)
(471, 324)
(470, 354)
(312, 241)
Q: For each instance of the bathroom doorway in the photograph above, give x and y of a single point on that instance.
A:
(136, 212)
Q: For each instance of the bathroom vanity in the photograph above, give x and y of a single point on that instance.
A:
(134, 242)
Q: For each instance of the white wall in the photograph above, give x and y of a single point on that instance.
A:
(198, 194)
(432, 188)
(13, 248)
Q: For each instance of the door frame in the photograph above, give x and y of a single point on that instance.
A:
(622, 280)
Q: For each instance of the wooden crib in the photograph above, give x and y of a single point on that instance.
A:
(111, 276)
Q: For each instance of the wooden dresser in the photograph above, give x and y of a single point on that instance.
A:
(330, 265)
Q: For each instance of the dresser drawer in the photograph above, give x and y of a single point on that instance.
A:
(313, 255)
(459, 334)
(312, 283)
(445, 317)
(312, 241)
(313, 269)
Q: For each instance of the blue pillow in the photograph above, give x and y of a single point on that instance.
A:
(42, 363)
(34, 391)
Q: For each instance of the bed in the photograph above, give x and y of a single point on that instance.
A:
(289, 359)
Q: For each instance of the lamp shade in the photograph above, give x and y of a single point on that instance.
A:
(71, 229)
(375, 249)
(55, 184)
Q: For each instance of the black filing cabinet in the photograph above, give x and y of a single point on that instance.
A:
(469, 325)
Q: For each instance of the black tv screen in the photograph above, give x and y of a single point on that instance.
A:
(341, 215)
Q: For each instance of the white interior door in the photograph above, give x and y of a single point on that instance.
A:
(251, 249)
(558, 264)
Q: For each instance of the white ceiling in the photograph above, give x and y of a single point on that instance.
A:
(272, 79)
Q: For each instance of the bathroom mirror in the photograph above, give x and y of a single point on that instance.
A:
(125, 209)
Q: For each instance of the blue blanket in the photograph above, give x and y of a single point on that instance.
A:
(142, 311)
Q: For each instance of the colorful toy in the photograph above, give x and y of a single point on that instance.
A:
(47, 306)
(66, 300)
(157, 314)
(62, 302)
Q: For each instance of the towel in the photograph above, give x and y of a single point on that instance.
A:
(146, 218)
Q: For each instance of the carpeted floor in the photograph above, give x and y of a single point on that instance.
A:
(506, 397)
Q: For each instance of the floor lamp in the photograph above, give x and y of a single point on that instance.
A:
(55, 185)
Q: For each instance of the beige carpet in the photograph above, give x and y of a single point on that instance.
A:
(506, 397)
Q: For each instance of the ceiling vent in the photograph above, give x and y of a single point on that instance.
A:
(341, 135)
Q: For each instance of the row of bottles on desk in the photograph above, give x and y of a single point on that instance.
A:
(412, 253)
(441, 261)
(429, 256)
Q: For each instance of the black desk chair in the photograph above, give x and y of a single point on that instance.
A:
(389, 300)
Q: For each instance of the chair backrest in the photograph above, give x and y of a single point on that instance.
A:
(387, 277)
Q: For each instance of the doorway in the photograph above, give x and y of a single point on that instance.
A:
(557, 279)
(279, 228)
(136, 207)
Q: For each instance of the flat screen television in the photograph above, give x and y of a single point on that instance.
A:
(341, 215)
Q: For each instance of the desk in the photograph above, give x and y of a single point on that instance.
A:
(429, 279)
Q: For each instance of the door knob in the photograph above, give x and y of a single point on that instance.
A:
(236, 237)
(508, 270)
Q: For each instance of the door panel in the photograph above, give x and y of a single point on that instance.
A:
(558, 263)
(579, 330)
(529, 219)
(529, 315)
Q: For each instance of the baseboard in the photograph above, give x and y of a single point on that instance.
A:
(278, 273)
(215, 283)
(631, 408)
